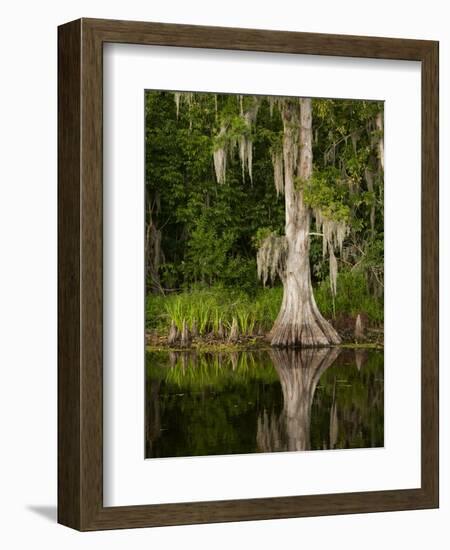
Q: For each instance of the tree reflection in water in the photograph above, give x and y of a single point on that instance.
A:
(263, 401)
(299, 371)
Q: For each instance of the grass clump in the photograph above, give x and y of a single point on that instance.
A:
(214, 311)
(229, 314)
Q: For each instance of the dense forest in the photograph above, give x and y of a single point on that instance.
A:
(264, 220)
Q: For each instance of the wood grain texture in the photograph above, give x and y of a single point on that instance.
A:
(80, 263)
(69, 248)
(430, 272)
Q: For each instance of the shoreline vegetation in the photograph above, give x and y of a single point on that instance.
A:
(222, 319)
(259, 343)
(264, 221)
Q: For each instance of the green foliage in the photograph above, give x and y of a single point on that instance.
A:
(208, 307)
(344, 151)
(327, 192)
(206, 252)
(208, 229)
(261, 234)
(353, 296)
(211, 232)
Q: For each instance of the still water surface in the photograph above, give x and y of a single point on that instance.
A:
(263, 401)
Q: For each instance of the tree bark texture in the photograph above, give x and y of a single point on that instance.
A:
(299, 322)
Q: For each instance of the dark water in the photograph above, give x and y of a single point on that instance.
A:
(264, 401)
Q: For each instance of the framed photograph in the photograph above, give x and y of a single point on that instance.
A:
(248, 274)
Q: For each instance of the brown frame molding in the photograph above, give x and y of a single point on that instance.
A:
(80, 415)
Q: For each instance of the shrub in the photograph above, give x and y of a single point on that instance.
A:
(352, 297)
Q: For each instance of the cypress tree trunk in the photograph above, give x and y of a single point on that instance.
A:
(299, 322)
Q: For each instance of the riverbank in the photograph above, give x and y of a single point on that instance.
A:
(155, 341)
(217, 318)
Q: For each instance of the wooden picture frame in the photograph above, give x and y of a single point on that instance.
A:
(80, 272)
